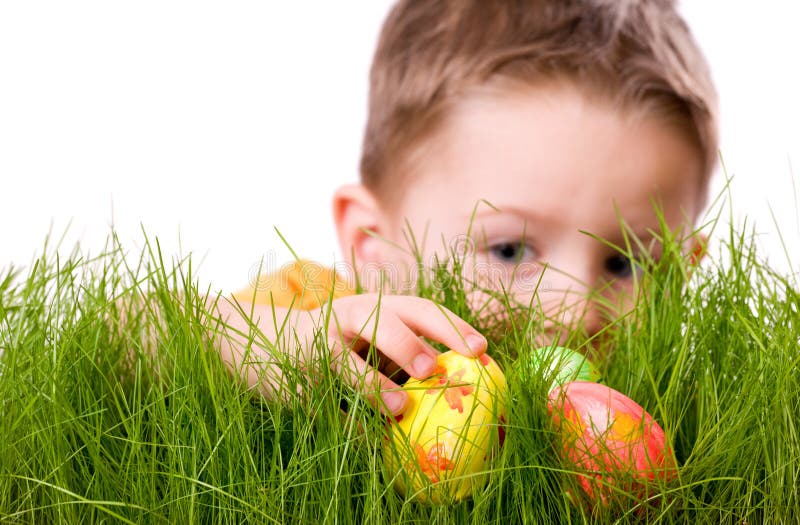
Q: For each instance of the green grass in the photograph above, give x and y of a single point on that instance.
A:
(96, 428)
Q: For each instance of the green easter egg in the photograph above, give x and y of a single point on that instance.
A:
(561, 365)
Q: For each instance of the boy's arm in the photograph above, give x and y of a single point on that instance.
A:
(247, 339)
(395, 323)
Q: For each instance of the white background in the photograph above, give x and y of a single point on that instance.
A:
(208, 123)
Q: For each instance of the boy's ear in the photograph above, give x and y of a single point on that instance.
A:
(698, 247)
(355, 212)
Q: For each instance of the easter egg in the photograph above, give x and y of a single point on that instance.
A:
(559, 365)
(453, 424)
(610, 437)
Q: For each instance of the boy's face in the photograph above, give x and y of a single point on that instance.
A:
(555, 167)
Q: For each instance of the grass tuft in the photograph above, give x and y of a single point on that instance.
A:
(100, 426)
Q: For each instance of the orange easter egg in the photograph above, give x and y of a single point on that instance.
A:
(611, 437)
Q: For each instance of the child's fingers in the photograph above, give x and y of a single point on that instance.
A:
(400, 323)
(401, 320)
(392, 337)
(401, 344)
(353, 369)
(439, 324)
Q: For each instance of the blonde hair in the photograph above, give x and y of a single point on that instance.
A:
(636, 53)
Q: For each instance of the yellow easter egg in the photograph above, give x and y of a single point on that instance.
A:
(438, 449)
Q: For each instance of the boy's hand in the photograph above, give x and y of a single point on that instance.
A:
(401, 320)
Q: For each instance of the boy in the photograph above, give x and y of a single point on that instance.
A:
(565, 116)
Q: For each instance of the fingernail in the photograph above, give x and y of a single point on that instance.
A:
(394, 401)
(423, 365)
(476, 342)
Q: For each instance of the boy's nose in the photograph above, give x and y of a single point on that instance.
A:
(572, 303)
(588, 315)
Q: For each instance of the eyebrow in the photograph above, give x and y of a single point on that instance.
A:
(511, 210)
(643, 233)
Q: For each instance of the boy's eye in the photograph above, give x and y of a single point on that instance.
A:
(511, 251)
(619, 266)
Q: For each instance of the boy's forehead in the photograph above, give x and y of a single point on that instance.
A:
(554, 156)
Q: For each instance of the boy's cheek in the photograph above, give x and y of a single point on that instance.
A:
(521, 279)
(389, 276)
(550, 326)
(618, 300)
